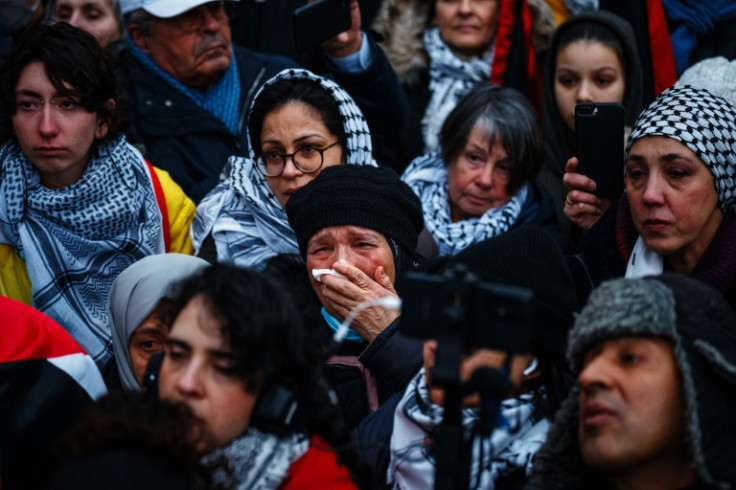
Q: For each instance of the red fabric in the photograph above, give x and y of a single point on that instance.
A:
(26, 333)
(664, 71)
(318, 469)
(161, 199)
(504, 40)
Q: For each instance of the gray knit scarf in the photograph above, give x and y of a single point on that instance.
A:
(451, 77)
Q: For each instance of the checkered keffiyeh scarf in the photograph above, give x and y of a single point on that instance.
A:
(246, 221)
(427, 177)
(450, 79)
(76, 240)
(706, 124)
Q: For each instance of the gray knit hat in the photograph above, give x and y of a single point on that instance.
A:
(704, 123)
(702, 328)
(716, 75)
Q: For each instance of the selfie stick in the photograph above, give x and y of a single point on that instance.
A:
(453, 457)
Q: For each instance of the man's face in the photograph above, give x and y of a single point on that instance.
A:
(632, 407)
(193, 47)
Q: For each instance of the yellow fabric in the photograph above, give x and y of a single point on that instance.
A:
(14, 281)
(181, 213)
(559, 9)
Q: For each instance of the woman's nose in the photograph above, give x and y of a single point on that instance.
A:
(585, 92)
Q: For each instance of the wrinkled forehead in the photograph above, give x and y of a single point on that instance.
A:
(346, 233)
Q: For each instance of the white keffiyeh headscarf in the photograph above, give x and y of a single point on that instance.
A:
(427, 177)
(451, 77)
(506, 449)
(246, 221)
(76, 240)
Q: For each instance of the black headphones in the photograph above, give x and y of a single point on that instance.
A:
(277, 411)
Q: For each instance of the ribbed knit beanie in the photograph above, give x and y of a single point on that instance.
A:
(706, 124)
(702, 328)
(529, 257)
(370, 197)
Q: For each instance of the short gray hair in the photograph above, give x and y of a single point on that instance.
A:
(503, 111)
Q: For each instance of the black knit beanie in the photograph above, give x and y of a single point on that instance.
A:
(529, 257)
(702, 328)
(370, 197)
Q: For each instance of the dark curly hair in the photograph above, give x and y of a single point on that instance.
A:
(138, 438)
(77, 67)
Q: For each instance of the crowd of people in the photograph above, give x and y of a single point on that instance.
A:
(377, 263)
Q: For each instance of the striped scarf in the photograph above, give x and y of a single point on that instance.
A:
(76, 240)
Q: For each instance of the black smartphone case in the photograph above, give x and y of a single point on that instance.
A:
(319, 21)
(599, 137)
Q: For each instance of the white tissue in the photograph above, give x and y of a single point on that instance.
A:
(318, 273)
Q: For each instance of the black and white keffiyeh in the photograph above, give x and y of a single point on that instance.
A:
(450, 78)
(76, 240)
(246, 221)
(427, 177)
(258, 460)
(706, 124)
(417, 419)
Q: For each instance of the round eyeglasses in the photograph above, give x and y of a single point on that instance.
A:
(307, 159)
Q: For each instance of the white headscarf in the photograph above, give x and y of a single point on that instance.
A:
(134, 295)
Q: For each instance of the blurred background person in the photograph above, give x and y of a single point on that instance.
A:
(101, 18)
(440, 49)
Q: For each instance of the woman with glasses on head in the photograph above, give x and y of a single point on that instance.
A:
(299, 124)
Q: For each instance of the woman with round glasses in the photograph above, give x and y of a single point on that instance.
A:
(299, 123)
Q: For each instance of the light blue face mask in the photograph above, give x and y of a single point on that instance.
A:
(334, 324)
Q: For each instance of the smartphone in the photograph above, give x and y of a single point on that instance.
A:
(599, 138)
(319, 21)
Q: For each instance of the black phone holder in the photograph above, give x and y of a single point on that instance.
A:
(462, 313)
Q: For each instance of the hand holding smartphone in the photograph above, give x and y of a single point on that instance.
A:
(319, 21)
(599, 137)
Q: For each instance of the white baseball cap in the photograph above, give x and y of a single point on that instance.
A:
(162, 8)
